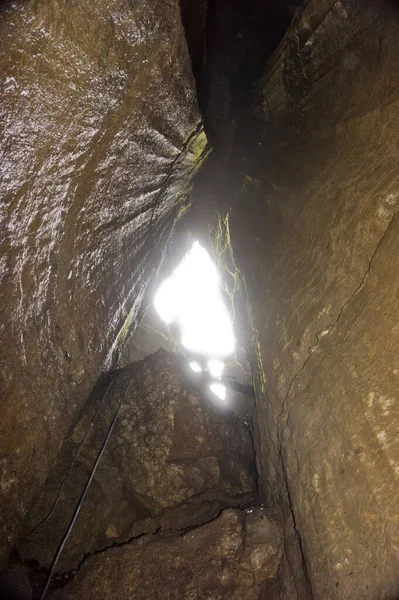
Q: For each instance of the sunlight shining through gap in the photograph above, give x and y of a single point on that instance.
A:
(191, 298)
(216, 367)
(219, 390)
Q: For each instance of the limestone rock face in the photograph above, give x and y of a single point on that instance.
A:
(170, 444)
(150, 335)
(231, 557)
(172, 457)
(99, 134)
(316, 237)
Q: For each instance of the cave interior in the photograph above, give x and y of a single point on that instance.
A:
(259, 461)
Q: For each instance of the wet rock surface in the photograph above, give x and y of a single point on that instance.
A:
(150, 335)
(100, 133)
(230, 557)
(315, 234)
(174, 460)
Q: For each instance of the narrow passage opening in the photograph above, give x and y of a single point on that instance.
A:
(191, 301)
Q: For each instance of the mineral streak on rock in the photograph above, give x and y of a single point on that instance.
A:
(99, 121)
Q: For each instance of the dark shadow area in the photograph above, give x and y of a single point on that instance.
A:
(230, 42)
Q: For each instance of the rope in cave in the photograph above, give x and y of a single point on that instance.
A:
(81, 443)
(86, 488)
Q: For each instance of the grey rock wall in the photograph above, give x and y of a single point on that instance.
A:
(99, 133)
(315, 236)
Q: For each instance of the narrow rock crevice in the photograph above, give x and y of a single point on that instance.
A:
(268, 131)
(296, 529)
(186, 148)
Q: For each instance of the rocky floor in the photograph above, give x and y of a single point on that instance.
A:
(173, 509)
(229, 557)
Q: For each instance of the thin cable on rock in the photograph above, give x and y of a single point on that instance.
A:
(86, 488)
(50, 514)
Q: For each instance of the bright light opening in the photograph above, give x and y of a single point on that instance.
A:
(191, 297)
(219, 390)
(216, 367)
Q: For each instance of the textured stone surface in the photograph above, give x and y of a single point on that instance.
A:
(150, 335)
(97, 109)
(316, 237)
(231, 557)
(170, 447)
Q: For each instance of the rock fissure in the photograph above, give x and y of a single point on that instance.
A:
(154, 527)
(255, 454)
(296, 529)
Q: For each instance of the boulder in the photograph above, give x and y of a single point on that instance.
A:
(230, 557)
(171, 453)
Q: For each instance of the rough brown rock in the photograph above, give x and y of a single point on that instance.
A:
(150, 335)
(316, 237)
(99, 133)
(170, 448)
(231, 557)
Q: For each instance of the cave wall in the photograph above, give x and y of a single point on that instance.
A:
(174, 461)
(100, 133)
(316, 236)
